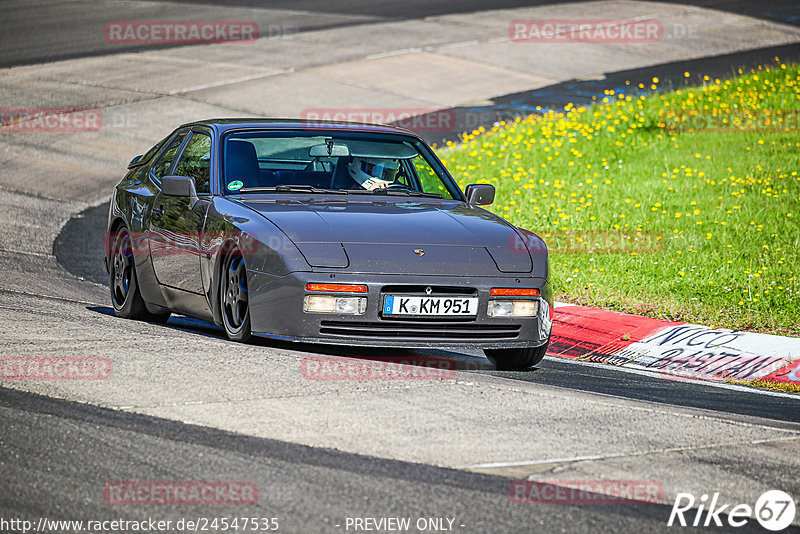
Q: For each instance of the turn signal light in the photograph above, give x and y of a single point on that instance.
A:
(337, 288)
(514, 292)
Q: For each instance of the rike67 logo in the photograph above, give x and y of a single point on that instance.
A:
(774, 510)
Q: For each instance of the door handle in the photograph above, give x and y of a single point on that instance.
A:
(158, 212)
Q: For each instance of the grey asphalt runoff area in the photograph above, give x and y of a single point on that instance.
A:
(184, 404)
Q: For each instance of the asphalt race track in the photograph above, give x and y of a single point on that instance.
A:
(299, 485)
(34, 32)
(80, 243)
(185, 404)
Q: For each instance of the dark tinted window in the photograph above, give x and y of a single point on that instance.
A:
(165, 161)
(195, 162)
(153, 151)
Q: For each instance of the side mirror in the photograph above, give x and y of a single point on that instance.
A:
(135, 161)
(479, 194)
(179, 186)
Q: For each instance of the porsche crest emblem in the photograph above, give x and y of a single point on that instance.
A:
(419, 252)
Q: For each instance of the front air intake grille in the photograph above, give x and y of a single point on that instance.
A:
(419, 330)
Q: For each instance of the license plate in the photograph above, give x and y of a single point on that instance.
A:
(402, 305)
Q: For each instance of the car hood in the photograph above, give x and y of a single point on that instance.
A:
(381, 236)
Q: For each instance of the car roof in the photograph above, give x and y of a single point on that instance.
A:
(224, 124)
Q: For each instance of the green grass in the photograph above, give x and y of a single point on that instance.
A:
(763, 384)
(680, 205)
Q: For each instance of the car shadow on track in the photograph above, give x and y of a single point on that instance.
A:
(472, 360)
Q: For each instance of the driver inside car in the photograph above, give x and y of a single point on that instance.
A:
(373, 173)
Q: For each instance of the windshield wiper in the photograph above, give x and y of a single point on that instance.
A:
(302, 188)
(401, 192)
(293, 188)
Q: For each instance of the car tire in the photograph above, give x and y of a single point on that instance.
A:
(125, 295)
(234, 302)
(516, 359)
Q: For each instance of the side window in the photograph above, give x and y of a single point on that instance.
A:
(428, 179)
(195, 162)
(150, 154)
(165, 162)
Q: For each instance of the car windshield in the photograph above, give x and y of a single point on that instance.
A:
(336, 163)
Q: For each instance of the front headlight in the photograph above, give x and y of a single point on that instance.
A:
(513, 308)
(331, 304)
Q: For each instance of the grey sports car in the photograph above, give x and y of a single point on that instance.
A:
(326, 233)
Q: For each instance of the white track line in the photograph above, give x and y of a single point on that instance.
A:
(391, 53)
(231, 81)
(498, 465)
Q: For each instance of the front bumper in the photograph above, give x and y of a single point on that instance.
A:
(276, 311)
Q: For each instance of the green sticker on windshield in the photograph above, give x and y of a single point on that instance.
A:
(235, 185)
